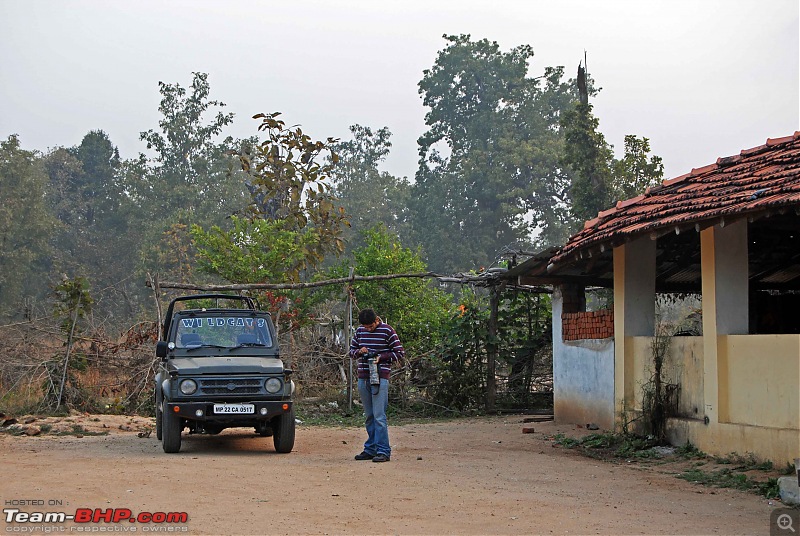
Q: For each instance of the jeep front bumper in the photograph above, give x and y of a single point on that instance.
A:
(204, 411)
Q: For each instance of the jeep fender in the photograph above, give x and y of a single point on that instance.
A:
(165, 388)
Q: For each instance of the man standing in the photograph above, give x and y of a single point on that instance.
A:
(378, 342)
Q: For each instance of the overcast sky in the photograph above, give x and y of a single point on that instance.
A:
(699, 78)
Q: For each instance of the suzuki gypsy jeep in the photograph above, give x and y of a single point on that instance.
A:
(220, 368)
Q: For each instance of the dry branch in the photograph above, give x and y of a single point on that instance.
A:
(483, 279)
(290, 286)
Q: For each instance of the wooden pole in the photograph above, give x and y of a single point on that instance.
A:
(348, 335)
(152, 281)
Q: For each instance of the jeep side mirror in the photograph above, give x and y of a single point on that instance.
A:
(161, 349)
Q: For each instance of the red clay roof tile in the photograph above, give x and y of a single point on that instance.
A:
(728, 160)
(670, 182)
(603, 213)
(704, 169)
(757, 179)
(776, 141)
(753, 150)
(629, 202)
(591, 223)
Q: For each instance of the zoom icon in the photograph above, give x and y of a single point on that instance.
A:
(784, 521)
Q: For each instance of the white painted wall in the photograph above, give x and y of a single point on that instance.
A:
(583, 376)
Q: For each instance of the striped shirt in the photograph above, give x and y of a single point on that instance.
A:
(382, 340)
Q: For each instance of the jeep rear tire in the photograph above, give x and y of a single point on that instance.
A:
(283, 432)
(171, 428)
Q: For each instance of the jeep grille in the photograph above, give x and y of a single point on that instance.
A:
(235, 386)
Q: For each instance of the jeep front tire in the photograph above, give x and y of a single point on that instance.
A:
(283, 431)
(171, 428)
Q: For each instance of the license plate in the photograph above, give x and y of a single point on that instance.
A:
(234, 408)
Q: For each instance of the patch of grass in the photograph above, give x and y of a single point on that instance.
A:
(728, 478)
(770, 489)
(565, 441)
(596, 441)
(721, 478)
(689, 451)
(611, 445)
(632, 446)
(746, 462)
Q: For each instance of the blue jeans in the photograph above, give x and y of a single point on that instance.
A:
(375, 417)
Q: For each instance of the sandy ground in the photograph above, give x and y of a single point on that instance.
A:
(477, 476)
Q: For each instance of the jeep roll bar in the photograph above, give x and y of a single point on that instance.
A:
(249, 302)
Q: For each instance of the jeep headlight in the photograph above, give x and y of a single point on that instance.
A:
(188, 387)
(273, 385)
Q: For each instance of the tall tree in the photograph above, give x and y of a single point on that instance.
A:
(293, 221)
(95, 215)
(25, 223)
(635, 172)
(84, 194)
(489, 163)
(415, 307)
(600, 179)
(289, 181)
(189, 163)
(193, 179)
(100, 162)
(368, 195)
(70, 238)
(590, 157)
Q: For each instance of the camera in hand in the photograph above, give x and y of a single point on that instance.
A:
(372, 360)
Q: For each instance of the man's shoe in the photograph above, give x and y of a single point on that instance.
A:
(365, 456)
(381, 458)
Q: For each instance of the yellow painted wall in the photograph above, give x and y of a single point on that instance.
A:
(759, 399)
(683, 366)
(760, 380)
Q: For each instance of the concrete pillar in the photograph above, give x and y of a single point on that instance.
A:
(732, 278)
(723, 253)
(557, 303)
(634, 312)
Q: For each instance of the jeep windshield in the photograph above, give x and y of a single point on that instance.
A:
(232, 330)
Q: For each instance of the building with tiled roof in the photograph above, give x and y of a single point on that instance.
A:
(728, 234)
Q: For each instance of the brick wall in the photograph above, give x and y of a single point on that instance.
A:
(587, 325)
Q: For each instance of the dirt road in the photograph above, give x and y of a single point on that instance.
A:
(478, 476)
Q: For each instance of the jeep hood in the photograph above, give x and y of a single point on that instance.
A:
(225, 365)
